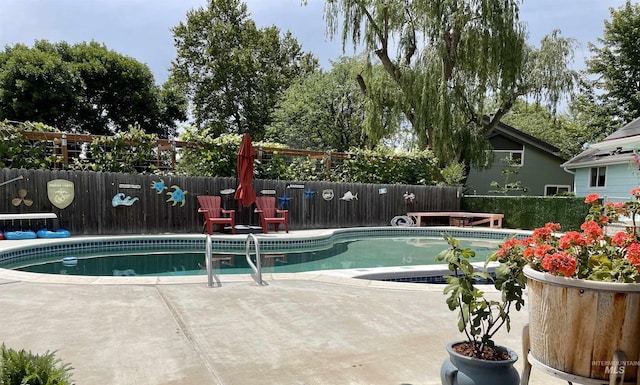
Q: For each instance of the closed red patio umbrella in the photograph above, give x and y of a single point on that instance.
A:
(244, 193)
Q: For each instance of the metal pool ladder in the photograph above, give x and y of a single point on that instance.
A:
(255, 267)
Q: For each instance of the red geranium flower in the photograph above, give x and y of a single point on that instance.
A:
(633, 254)
(591, 198)
(572, 238)
(622, 239)
(545, 232)
(592, 230)
(560, 262)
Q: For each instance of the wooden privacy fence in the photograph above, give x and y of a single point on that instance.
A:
(156, 208)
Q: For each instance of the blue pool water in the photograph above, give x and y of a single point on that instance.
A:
(343, 253)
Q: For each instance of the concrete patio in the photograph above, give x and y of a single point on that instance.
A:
(304, 328)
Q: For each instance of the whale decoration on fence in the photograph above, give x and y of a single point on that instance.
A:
(348, 196)
(120, 200)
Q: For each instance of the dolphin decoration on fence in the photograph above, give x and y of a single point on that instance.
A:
(120, 200)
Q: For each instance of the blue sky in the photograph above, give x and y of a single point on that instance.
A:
(141, 28)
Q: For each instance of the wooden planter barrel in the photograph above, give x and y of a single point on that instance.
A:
(575, 326)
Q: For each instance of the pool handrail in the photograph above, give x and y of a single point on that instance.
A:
(256, 269)
(208, 253)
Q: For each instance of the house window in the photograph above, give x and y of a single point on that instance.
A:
(556, 189)
(516, 156)
(598, 176)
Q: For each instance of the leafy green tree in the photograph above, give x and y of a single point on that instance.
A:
(84, 87)
(617, 63)
(592, 118)
(233, 72)
(325, 111)
(451, 56)
(38, 85)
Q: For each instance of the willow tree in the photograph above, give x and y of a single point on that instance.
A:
(448, 61)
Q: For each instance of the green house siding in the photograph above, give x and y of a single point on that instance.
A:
(539, 169)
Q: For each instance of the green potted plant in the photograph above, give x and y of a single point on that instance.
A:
(477, 359)
(583, 294)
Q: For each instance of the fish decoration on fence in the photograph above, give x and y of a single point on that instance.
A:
(348, 196)
(268, 192)
(158, 186)
(177, 196)
(120, 200)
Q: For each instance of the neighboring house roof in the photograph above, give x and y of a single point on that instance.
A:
(628, 130)
(619, 147)
(522, 137)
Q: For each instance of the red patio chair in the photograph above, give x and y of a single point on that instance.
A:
(266, 207)
(211, 208)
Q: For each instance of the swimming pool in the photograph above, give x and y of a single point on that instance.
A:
(358, 251)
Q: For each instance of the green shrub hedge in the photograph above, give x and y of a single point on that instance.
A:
(528, 212)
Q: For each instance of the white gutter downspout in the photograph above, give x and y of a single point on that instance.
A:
(574, 179)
